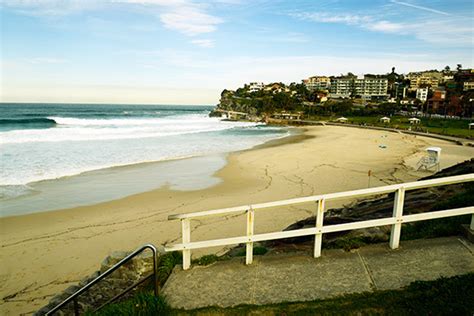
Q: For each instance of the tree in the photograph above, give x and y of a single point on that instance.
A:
(447, 69)
(459, 67)
(388, 108)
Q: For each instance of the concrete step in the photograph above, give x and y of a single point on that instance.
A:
(299, 277)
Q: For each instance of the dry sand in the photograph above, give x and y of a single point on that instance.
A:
(43, 253)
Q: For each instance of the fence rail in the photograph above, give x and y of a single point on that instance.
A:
(396, 220)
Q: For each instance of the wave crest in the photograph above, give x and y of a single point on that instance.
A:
(28, 121)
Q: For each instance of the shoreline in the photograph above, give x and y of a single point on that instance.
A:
(50, 189)
(319, 160)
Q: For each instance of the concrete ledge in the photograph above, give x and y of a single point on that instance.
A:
(468, 232)
(299, 277)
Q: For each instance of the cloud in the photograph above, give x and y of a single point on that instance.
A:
(363, 21)
(206, 43)
(420, 7)
(448, 30)
(189, 20)
(385, 26)
(350, 19)
(185, 16)
(51, 7)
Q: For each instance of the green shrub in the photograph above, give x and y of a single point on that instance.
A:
(206, 260)
(166, 263)
(257, 250)
(142, 304)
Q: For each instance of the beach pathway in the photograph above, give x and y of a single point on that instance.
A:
(299, 277)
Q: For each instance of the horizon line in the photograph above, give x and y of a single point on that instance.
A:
(105, 103)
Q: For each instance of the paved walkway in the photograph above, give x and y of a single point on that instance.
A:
(290, 277)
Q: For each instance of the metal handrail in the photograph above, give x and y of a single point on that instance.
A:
(74, 296)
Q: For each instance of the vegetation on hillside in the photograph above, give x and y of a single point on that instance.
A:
(266, 101)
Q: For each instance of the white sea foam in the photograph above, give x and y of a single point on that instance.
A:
(74, 129)
(77, 145)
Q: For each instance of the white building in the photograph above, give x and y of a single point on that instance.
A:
(367, 87)
(256, 86)
(370, 87)
(341, 87)
(422, 94)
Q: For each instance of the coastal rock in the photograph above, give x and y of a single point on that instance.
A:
(112, 285)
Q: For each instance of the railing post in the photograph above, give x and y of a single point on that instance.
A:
(250, 228)
(318, 238)
(186, 232)
(472, 222)
(155, 271)
(397, 213)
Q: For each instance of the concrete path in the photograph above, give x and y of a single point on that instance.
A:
(299, 277)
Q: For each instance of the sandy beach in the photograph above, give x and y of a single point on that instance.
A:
(44, 253)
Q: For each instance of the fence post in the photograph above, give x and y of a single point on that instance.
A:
(397, 213)
(318, 238)
(186, 232)
(250, 228)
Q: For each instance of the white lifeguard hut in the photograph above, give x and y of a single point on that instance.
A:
(385, 119)
(414, 120)
(342, 119)
(431, 160)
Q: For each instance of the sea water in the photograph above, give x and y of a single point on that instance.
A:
(41, 144)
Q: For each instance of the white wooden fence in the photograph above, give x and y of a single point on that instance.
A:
(396, 220)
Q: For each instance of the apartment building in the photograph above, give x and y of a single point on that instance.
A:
(422, 94)
(371, 87)
(341, 87)
(320, 83)
(368, 87)
(423, 79)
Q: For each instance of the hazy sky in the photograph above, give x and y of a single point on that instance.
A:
(187, 51)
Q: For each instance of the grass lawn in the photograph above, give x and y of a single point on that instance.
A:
(457, 128)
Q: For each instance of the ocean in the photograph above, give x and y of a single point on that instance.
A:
(48, 142)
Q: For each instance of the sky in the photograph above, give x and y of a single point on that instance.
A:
(188, 51)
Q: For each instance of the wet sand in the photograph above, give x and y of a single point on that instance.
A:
(44, 253)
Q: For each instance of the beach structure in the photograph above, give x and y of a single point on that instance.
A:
(414, 120)
(233, 115)
(342, 119)
(385, 119)
(287, 116)
(431, 160)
